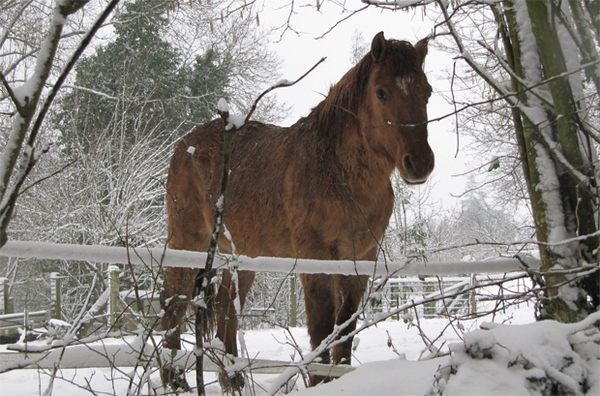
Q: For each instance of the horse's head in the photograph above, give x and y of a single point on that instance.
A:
(395, 106)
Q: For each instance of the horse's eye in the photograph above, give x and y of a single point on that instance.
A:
(382, 94)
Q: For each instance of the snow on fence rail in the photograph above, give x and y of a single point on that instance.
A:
(132, 352)
(183, 258)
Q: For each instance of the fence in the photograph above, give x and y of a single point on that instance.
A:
(400, 291)
(10, 321)
(188, 259)
(118, 306)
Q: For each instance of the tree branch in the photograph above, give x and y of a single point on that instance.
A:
(11, 93)
(69, 66)
(203, 280)
(281, 84)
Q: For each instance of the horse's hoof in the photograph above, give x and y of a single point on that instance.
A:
(174, 378)
(317, 379)
(233, 383)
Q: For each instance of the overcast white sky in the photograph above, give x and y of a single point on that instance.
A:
(300, 51)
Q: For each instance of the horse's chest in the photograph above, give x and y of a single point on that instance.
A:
(340, 226)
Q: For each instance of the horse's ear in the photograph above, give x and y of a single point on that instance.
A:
(378, 47)
(421, 48)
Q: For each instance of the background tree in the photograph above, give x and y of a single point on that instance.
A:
(130, 100)
(40, 42)
(25, 97)
(138, 95)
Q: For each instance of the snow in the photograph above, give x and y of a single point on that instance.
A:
(283, 82)
(235, 120)
(382, 378)
(532, 358)
(223, 106)
(484, 377)
(519, 358)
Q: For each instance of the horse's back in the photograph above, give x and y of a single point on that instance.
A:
(254, 211)
(286, 196)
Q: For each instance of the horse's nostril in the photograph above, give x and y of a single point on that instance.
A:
(408, 164)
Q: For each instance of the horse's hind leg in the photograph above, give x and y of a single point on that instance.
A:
(178, 290)
(227, 316)
(320, 313)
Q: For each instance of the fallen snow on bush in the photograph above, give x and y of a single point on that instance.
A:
(542, 358)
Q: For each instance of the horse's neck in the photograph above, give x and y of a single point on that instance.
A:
(347, 156)
(366, 171)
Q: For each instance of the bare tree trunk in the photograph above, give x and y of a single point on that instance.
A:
(557, 159)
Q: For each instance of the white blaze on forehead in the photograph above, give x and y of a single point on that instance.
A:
(404, 83)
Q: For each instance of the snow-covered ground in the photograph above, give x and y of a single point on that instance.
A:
(274, 344)
(496, 361)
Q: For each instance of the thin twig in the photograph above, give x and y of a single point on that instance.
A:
(342, 21)
(281, 84)
(11, 93)
(46, 177)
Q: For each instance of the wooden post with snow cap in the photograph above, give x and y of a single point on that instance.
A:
(113, 286)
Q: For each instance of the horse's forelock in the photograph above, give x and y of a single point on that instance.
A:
(402, 58)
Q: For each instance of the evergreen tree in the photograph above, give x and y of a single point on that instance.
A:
(136, 86)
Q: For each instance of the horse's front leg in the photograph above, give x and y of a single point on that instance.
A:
(177, 292)
(349, 291)
(320, 317)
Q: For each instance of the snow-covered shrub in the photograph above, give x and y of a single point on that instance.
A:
(542, 358)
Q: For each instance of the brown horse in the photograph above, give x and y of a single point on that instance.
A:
(319, 189)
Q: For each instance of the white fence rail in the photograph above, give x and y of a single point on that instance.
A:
(182, 258)
(18, 320)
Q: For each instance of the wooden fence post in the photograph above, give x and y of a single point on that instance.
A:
(55, 290)
(293, 322)
(5, 303)
(113, 285)
(3, 294)
(473, 295)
